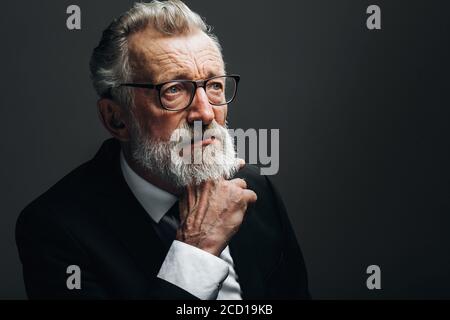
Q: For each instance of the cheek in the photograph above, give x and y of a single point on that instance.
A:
(220, 114)
(158, 123)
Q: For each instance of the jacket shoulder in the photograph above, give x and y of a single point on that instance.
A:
(43, 211)
(77, 188)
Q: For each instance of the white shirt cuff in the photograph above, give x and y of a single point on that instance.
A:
(194, 270)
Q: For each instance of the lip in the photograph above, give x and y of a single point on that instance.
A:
(203, 143)
(193, 145)
(196, 145)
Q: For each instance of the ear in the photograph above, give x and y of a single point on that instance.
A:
(113, 118)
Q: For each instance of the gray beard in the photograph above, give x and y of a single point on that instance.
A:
(160, 158)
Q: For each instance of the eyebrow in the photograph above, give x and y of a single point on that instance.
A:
(186, 76)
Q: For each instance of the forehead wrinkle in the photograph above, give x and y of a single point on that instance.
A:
(160, 60)
(212, 71)
(208, 55)
(193, 66)
(153, 54)
(208, 62)
(142, 61)
(162, 63)
(196, 57)
(174, 55)
(171, 60)
(211, 66)
(209, 51)
(171, 65)
(139, 64)
(162, 56)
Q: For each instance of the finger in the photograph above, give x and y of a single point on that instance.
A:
(191, 196)
(240, 163)
(183, 208)
(250, 196)
(239, 182)
(203, 201)
(188, 200)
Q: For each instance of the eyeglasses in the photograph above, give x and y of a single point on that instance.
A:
(177, 95)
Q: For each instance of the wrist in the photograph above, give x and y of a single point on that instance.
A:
(204, 245)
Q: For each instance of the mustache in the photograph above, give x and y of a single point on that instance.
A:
(191, 132)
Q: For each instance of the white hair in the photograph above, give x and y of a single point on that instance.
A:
(110, 65)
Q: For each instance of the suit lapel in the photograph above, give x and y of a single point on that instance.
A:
(125, 216)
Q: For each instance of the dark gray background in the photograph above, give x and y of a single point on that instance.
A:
(363, 118)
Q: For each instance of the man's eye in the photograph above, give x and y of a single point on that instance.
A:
(215, 86)
(173, 90)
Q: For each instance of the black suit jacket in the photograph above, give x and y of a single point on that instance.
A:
(91, 219)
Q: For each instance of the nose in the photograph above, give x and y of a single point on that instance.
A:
(200, 109)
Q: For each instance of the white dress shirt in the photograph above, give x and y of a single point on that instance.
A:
(200, 273)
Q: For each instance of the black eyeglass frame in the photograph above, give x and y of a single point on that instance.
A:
(196, 84)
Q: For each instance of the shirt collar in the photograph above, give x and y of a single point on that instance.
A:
(154, 200)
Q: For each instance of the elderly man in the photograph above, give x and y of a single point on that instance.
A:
(139, 222)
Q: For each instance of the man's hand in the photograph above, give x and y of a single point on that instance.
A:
(212, 212)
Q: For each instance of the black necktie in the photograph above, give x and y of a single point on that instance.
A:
(168, 225)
